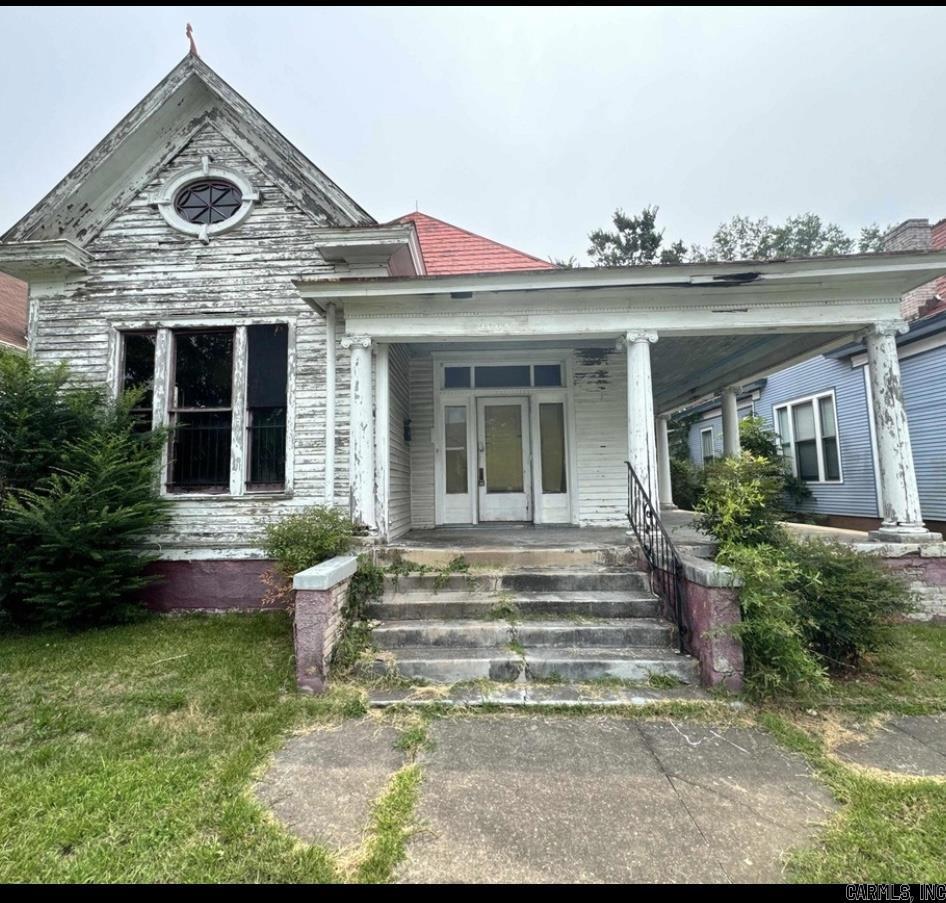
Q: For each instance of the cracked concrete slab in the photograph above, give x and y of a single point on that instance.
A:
(913, 745)
(513, 798)
(322, 785)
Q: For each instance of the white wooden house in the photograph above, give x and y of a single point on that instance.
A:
(308, 355)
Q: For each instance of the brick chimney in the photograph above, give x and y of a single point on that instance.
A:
(918, 235)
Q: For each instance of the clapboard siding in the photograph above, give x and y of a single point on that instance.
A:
(856, 495)
(399, 500)
(422, 446)
(924, 394)
(600, 404)
(145, 271)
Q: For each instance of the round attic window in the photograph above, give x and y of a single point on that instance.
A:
(208, 201)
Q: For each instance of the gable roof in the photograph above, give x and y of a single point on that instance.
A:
(448, 249)
(126, 159)
(13, 304)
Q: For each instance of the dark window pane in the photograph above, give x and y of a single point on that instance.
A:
(203, 370)
(552, 436)
(200, 451)
(138, 369)
(806, 456)
(456, 377)
(548, 374)
(208, 201)
(829, 451)
(266, 353)
(505, 376)
(267, 446)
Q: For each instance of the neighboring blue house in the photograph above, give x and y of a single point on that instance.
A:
(820, 410)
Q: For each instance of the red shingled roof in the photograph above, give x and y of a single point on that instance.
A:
(448, 249)
(12, 311)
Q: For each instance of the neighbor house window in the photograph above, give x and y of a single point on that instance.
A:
(707, 445)
(138, 374)
(808, 437)
(201, 412)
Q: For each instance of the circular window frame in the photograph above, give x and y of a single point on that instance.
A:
(207, 170)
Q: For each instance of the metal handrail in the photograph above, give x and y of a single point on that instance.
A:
(663, 560)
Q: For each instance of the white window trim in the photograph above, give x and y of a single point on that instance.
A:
(164, 199)
(163, 367)
(444, 396)
(813, 400)
(712, 436)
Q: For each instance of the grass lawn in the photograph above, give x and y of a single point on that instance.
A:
(128, 754)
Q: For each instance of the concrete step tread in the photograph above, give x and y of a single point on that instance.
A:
(538, 653)
(519, 598)
(531, 623)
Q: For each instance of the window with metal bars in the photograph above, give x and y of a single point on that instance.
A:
(266, 365)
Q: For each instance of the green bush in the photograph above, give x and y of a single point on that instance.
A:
(77, 496)
(686, 481)
(740, 503)
(778, 659)
(303, 540)
(846, 601)
(757, 439)
(354, 637)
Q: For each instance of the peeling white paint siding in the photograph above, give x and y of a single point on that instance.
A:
(146, 272)
(422, 446)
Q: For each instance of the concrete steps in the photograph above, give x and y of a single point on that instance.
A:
(524, 615)
(448, 665)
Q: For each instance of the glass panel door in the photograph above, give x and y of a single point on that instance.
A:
(505, 491)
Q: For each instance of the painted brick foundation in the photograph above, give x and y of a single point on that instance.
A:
(316, 620)
(207, 585)
(924, 567)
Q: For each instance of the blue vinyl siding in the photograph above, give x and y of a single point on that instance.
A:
(924, 394)
(856, 494)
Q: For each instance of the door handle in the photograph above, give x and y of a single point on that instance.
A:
(482, 480)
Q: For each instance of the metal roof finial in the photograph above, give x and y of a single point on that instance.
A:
(190, 37)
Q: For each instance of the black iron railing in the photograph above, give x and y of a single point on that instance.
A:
(663, 560)
(267, 451)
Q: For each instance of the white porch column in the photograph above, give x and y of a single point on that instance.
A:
(902, 520)
(641, 438)
(382, 437)
(361, 440)
(664, 483)
(330, 403)
(731, 446)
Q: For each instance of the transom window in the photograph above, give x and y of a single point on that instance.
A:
(503, 376)
(208, 201)
(808, 436)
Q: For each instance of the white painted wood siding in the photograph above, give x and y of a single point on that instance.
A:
(145, 271)
(422, 446)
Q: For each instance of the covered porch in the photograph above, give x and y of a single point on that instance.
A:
(493, 399)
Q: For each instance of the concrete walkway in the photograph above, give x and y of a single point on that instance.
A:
(913, 745)
(540, 798)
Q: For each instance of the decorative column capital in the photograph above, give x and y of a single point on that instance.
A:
(886, 328)
(635, 336)
(356, 341)
(732, 390)
(664, 417)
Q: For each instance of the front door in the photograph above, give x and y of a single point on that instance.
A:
(504, 468)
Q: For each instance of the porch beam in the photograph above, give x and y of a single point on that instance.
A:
(361, 440)
(902, 518)
(641, 438)
(730, 405)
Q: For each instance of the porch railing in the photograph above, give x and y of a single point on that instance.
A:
(663, 560)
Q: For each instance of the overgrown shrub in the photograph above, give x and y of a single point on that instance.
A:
(77, 496)
(686, 481)
(846, 601)
(757, 439)
(367, 583)
(778, 659)
(303, 540)
(741, 501)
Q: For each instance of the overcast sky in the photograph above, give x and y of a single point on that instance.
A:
(530, 125)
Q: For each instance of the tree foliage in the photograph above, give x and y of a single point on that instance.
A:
(635, 240)
(77, 497)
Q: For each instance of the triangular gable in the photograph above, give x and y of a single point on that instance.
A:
(123, 162)
(448, 249)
